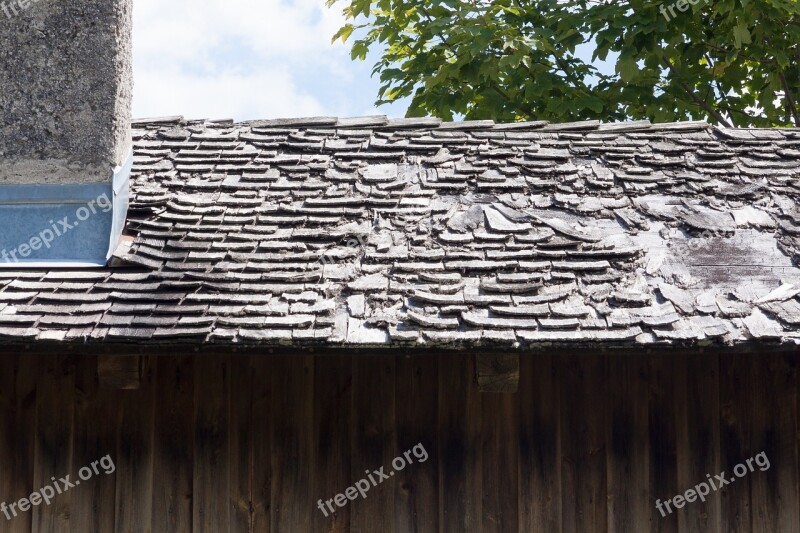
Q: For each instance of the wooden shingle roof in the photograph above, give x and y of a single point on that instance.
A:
(370, 231)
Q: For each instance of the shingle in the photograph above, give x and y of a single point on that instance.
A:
(130, 333)
(467, 125)
(18, 333)
(26, 319)
(180, 333)
(573, 126)
(521, 310)
(363, 122)
(69, 320)
(440, 299)
(787, 311)
(475, 319)
(510, 288)
(559, 323)
(294, 122)
(429, 321)
(587, 337)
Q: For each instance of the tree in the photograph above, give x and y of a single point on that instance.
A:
(733, 62)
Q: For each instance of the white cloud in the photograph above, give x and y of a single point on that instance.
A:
(244, 59)
(267, 93)
(189, 30)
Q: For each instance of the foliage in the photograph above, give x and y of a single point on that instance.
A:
(730, 61)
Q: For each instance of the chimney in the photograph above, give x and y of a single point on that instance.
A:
(65, 139)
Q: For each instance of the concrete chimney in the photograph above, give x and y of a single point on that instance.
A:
(65, 140)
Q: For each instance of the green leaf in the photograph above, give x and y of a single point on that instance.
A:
(741, 35)
(344, 33)
(628, 69)
(359, 50)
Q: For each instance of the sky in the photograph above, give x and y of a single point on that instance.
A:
(247, 59)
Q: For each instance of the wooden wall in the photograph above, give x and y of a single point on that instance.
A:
(250, 443)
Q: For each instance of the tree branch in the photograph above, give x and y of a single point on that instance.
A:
(697, 100)
(722, 96)
(791, 108)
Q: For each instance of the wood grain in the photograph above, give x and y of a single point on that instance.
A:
(212, 455)
(663, 439)
(92, 505)
(53, 443)
(373, 443)
(627, 452)
(583, 458)
(217, 443)
(417, 415)
(500, 442)
(333, 422)
(173, 444)
(134, 455)
(540, 446)
(292, 444)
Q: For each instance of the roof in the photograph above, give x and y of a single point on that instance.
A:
(376, 232)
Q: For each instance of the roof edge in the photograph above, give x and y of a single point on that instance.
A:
(384, 123)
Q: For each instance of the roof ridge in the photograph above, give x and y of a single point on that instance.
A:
(383, 122)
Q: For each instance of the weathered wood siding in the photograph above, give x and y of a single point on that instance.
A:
(250, 443)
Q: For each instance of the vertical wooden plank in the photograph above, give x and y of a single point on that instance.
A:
(20, 376)
(27, 382)
(773, 475)
(663, 437)
(500, 453)
(240, 425)
(734, 440)
(250, 444)
(540, 450)
(417, 492)
(261, 438)
(474, 425)
(459, 446)
(583, 466)
(629, 501)
(697, 394)
(134, 457)
(210, 507)
(663, 426)
(292, 499)
(374, 444)
(54, 425)
(8, 376)
(92, 506)
(333, 390)
(173, 444)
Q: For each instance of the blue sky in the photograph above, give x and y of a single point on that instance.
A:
(247, 59)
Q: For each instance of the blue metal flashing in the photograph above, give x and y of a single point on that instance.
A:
(70, 225)
(121, 185)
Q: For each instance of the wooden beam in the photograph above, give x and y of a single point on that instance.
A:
(119, 371)
(497, 372)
